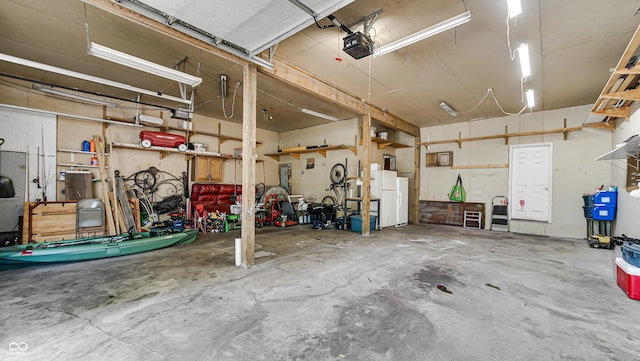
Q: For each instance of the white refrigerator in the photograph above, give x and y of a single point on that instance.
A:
(402, 214)
(384, 185)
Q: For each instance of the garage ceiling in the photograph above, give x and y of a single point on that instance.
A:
(573, 44)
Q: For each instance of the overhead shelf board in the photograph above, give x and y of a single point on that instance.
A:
(620, 91)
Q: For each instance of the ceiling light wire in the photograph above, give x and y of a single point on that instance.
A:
(233, 102)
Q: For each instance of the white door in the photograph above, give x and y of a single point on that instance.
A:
(530, 173)
(403, 198)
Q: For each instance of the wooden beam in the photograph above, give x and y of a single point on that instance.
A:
(301, 79)
(632, 94)
(249, 95)
(416, 181)
(622, 63)
(480, 166)
(282, 70)
(611, 125)
(622, 112)
(460, 140)
(366, 176)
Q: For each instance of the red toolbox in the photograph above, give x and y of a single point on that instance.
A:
(628, 277)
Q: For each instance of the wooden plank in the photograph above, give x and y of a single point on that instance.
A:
(632, 94)
(48, 221)
(498, 136)
(480, 166)
(249, 95)
(303, 80)
(103, 184)
(416, 181)
(366, 176)
(622, 112)
(622, 63)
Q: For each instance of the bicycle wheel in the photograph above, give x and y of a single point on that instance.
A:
(328, 201)
(337, 173)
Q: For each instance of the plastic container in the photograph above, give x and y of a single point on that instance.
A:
(588, 211)
(631, 254)
(628, 278)
(356, 223)
(605, 198)
(603, 213)
(588, 200)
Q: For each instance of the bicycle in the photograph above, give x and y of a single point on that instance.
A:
(338, 186)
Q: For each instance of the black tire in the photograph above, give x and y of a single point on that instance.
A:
(337, 173)
(259, 224)
(328, 201)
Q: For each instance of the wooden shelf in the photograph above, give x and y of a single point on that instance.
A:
(164, 151)
(619, 92)
(383, 143)
(321, 150)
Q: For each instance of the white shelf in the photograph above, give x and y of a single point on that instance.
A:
(80, 165)
(630, 148)
(75, 151)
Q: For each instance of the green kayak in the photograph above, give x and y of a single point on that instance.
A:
(84, 249)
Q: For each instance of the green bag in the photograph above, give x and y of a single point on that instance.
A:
(458, 193)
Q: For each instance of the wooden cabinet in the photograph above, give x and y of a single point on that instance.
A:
(206, 169)
(451, 213)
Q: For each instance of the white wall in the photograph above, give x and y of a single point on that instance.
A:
(71, 133)
(628, 211)
(574, 170)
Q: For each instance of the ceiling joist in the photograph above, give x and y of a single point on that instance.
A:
(281, 70)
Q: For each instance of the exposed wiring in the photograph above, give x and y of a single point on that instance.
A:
(490, 92)
(233, 102)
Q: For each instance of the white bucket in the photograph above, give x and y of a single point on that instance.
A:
(383, 135)
(373, 132)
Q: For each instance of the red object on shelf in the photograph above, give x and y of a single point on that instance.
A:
(628, 278)
(162, 139)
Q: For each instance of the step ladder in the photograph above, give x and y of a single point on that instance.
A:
(500, 213)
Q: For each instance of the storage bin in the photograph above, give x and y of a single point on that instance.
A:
(588, 200)
(356, 223)
(605, 198)
(631, 254)
(603, 213)
(628, 278)
(588, 211)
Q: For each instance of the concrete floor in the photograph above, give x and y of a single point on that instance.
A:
(328, 295)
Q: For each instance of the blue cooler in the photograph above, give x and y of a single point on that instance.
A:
(631, 253)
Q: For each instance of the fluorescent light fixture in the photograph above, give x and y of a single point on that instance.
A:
(91, 78)
(320, 115)
(73, 116)
(531, 100)
(78, 97)
(425, 33)
(448, 109)
(515, 8)
(525, 63)
(131, 61)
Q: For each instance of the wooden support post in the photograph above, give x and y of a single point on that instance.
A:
(366, 175)
(249, 95)
(416, 182)
(564, 134)
(459, 141)
(506, 135)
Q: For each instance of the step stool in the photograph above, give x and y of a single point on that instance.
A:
(472, 216)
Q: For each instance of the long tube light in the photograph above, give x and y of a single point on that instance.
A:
(131, 61)
(515, 8)
(425, 33)
(525, 63)
(448, 109)
(531, 100)
(320, 115)
(73, 116)
(78, 97)
(91, 78)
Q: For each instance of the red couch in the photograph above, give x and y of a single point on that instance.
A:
(214, 197)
